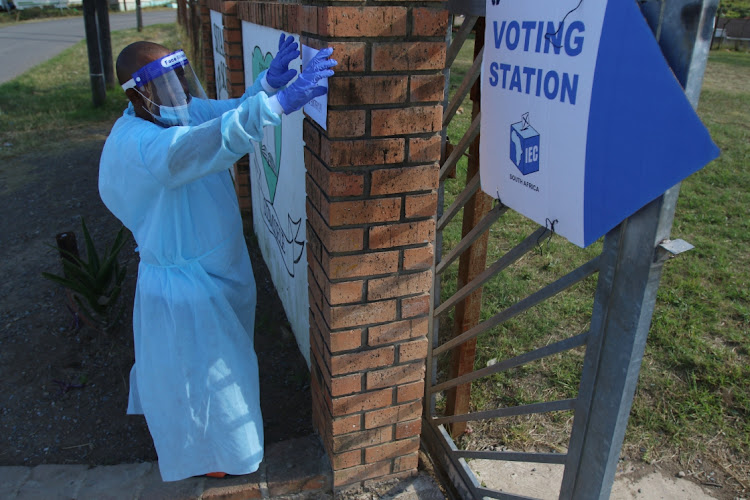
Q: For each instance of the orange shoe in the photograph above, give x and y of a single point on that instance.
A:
(216, 474)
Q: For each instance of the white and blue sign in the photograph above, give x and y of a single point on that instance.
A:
(583, 121)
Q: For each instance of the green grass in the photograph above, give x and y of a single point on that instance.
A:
(49, 103)
(693, 397)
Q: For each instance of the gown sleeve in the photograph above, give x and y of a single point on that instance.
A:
(179, 155)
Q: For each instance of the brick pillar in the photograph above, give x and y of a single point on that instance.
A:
(372, 182)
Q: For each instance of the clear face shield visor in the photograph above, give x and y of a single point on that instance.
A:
(168, 86)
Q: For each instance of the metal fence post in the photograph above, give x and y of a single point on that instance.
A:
(96, 72)
(105, 42)
(628, 281)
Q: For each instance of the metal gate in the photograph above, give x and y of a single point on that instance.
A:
(626, 271)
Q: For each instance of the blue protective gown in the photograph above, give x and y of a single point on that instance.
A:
(195, 376)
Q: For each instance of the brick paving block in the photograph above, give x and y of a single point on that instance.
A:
(53, 482)
(153, 488)
(297, 465)
(234, 487)
(11, 478)
(114, 482)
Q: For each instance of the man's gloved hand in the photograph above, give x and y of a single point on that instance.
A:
(279, 73)
(306, 88)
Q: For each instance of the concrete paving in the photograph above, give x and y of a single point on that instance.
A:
(24, 45)
(297, 469)
(543, 481)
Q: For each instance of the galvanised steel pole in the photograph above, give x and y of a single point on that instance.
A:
(629, 279)
(96, 72)
(105, 42)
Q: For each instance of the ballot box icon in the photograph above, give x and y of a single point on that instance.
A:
(524, 146)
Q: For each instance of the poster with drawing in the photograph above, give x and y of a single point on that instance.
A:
(277, 182)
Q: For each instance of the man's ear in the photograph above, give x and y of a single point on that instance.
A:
(139, 105)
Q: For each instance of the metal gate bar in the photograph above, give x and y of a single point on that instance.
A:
(515, 362)
(463, 89)
(500, 264)
(459, 150)
(461, 200)
(470, 238)
(522, 305)
(459, 39)
(511, 411)
(515, 456)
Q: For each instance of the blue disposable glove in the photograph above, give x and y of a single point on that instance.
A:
(279, 73)
(305, 88)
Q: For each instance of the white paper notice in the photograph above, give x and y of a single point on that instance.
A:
(317, 108)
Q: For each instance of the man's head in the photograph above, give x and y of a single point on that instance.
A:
(131, 59)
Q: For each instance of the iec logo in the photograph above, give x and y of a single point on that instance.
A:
(524, 146)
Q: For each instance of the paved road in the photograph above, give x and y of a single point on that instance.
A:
(24, 45)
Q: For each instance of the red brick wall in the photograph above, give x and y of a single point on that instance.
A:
(372, 181)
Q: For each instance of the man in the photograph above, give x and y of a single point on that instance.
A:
(164, 174)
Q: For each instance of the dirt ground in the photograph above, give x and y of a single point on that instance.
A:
(63, 388)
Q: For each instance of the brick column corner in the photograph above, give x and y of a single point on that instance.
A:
(372, 180)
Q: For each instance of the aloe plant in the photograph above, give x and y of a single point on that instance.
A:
(96, 283)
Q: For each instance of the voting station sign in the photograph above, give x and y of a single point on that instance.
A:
(583, 122)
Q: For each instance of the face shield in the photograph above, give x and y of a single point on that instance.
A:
(168, 86)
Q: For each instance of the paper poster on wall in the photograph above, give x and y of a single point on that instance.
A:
(277, 183)
(220, 60)
(318, 107)
(583, 122)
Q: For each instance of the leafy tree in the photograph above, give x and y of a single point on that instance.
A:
(730, 11)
